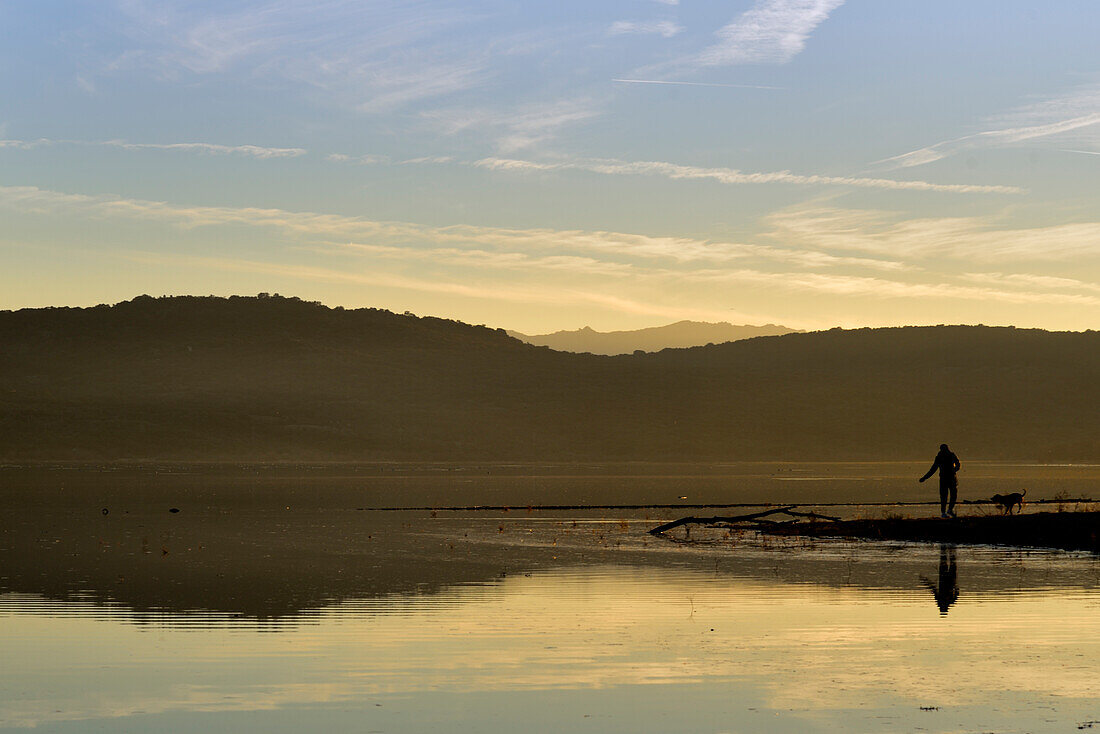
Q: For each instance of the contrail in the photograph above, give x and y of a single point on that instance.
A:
(1086, 152)
(694, 84)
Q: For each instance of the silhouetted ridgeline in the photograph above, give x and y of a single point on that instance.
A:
(277, 378)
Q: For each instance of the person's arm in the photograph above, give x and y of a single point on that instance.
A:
(957, 464)
(931, 471)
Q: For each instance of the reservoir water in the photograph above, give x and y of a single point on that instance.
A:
(266, 605)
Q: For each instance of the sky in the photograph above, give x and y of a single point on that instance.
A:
(551, 165)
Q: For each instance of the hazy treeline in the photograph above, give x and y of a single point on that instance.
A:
(278, 378)
(653, 339)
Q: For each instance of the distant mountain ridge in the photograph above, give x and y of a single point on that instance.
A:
(653, 339)
(242, 379)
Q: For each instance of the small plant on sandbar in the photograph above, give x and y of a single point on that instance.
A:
(1061, 498)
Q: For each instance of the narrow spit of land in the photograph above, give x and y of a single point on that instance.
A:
(1066, 530)
(1078, 531)
(648, 506)
(694, 506)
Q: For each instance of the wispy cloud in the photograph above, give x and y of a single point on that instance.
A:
(990, 138)
(880, 288)
(252, 151)
(376, 56)
(770, 32)
(821, 284)
(513, 248)
(24, 144)
(969, 239)
(427, 159)
(481, 258)
(334, 230)
(550, 294)
(693, 84)
(733, 176)
(556, 294)
(665, 28)
(614, 270)
(1083, 152)
(366, 159)
(520, 127)
(1030, 280)
(392, 86)
(1058, 117)
(371, 159)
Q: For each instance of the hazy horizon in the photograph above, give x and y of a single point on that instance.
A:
(654, 326)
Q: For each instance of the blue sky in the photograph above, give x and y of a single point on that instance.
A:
(550, 165)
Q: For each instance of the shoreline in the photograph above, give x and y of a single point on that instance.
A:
(1072, 531)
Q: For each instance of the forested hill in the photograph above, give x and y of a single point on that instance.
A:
(277, 378)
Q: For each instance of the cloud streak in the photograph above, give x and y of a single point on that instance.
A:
(24, 144)
(1028, 280)
(664, 28)
(864, 286)
(526, 294)
(251, 151)
(771, 32)
(521, 127)
(674, 171)
(693, 84)
(989, 138)
(1057, 117)
(376, 57)
(969, 239)
(585, 266)
(506, 260)
(821, 284)
(357, 233)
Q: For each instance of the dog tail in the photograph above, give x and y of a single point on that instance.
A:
(1023, 493)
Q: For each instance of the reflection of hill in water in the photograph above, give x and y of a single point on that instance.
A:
(279, 565)
(211, 378)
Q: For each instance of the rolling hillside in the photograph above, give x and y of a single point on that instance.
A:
(278, 378)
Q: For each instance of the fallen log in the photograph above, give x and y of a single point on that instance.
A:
(718, 519)
(812, 515)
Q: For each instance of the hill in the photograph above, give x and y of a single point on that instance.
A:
(276, 378)
(654, 339)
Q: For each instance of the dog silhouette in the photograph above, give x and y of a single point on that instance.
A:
(1007, 501)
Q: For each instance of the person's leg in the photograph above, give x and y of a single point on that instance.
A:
(943, 499)
(954, 496)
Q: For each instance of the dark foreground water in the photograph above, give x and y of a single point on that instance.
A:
(274, 604)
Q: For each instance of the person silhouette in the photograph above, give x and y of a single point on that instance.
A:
(947, 590)
(948, 465)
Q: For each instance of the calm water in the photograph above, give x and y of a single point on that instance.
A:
(242, 611)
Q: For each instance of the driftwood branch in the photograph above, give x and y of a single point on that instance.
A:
(757, 517)
(812, 515)
(716, 520)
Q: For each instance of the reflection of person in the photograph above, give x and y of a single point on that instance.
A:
(947, 590)
(947, 464)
